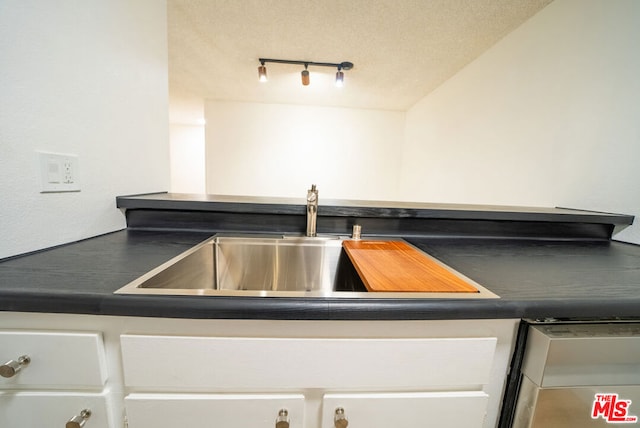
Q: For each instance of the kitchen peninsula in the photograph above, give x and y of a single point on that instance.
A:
(156, 361)
(542, 262)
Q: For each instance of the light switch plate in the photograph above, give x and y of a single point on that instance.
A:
(58, 173)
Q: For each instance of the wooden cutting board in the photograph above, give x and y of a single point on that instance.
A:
(397, 266)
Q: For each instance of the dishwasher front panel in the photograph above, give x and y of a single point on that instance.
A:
(576, 407)
(583, 354)
(580, 375)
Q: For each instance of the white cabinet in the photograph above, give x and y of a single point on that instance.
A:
(65, 375)
(183, 363)
(241, 373)
(374, 410)
(51, 409)
(377, 382)
(465, 409)
(215, 410)
(59, 360)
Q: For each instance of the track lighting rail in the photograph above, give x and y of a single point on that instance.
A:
(345, 65)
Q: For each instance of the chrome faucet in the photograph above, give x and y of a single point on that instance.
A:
(312, 210)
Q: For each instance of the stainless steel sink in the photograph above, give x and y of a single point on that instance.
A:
(288, 264)
(267, 266)
(262, 264)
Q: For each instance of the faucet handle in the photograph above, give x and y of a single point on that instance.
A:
(312, 195)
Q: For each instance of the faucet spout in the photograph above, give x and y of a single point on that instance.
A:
(312, 210)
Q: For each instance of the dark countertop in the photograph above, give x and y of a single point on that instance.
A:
(550, 278)
(535, 278)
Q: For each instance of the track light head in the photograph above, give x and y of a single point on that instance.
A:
(262, 72)
(305, 76)
(340, 77)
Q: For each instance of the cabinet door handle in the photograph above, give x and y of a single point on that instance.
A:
(11, 367)
(78, 421)
(339, 419)
(282, 421)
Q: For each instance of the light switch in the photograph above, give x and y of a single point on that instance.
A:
(53, 171)
(59, 173)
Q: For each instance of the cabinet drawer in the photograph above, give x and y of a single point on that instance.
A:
(29, 409)
(223, 410)
(179, 363)
(57, 360)
(411, 410)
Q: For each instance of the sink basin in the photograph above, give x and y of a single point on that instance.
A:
(254, 265)
(287, 264)
(266, 266)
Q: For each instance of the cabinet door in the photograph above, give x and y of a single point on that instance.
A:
(263, 364)
(58, 360)
(51, 410)
(408, 410)
(213, 410)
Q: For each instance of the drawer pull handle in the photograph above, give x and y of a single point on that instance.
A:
(78, 421)
(282, 420)
(340, 420)
(11, 367)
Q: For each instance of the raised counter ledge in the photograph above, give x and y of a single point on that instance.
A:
(360, 208)
(184, 212)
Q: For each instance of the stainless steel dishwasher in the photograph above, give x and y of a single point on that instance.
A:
(579, 375)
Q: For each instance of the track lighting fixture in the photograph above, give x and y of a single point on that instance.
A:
(345, 65)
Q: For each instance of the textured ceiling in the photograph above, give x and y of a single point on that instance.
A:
(402, 49)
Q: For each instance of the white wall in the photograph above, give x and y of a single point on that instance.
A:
(280, 150)
(548, 116)
(187, 154)
(85, 77)
(598, 163)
